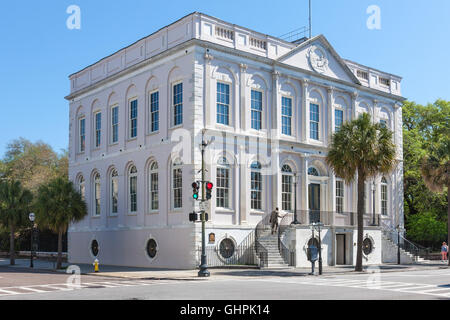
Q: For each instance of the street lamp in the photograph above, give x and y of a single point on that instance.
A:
(295, 199)
(318, 225)
(373, 203)
(32, 217)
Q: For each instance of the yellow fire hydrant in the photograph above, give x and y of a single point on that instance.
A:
(95, 264)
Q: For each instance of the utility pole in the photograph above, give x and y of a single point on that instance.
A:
(310, 20)
(203, 266)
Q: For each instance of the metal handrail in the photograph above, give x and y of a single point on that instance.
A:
(413, 248)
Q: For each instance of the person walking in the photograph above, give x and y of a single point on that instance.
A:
(444, 251)
(274, 220)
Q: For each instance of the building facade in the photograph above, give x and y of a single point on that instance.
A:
(268, 108)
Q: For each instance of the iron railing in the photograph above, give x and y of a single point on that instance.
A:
(243, 254)
(398, 239)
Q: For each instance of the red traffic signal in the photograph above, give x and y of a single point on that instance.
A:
(209, 185)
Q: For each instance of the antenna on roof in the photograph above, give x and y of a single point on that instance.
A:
(310, 20)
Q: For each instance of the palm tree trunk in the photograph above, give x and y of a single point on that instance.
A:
(59, 260)
(360, 213)
(11, 247)
(448, 222)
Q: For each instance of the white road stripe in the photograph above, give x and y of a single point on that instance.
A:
(8, 292)
(32, 289)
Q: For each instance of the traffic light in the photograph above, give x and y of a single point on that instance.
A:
(193, 217)
(195, 188)
(209, 187)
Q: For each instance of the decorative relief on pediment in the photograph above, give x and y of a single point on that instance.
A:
(318, 59)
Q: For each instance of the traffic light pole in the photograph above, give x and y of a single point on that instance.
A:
(203, 266)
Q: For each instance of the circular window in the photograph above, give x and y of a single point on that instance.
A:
(94, 248)
(226, 248)
(367, 246)
(152, 248)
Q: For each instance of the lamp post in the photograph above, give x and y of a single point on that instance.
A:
(203, 273)
(32, 217)
(295, 199)
(373, 203)
(319, 224)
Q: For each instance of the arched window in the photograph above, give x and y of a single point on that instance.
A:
(256, 186)
(177, 184)
(133, 189)
(114, 192)
(384, 197)
(153, 179)
(82, 187)
(223, 183)
(313, 172)
(286, 188)
(97, 194)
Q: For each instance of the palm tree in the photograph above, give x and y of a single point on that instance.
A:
(58, 204)
(358, 151)
(436, 174)
(15, 203)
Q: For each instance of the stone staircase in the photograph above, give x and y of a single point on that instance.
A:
(270, 243)
(405, 256)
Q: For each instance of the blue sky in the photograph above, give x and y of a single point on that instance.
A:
(38, 52)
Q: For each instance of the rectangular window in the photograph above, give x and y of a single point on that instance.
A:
(338, 119)
(223, 103)
(178, 104)
(114, 195)
(286, 115)
(114, 124)
(154, 110)
(133, 118)
(384, 200)
(339, 196)
(314, 121)
(82, 134)
(256, 108)
(362, 74)
(256, 190)
(177, 188)
(385, 82)
(133, 194)
(223, 186)
(286, 192)
(98, 129)
(154, 190)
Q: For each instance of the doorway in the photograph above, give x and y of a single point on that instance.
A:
(314, 202)
(341, 249)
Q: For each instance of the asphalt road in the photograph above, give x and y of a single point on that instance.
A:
(22, 284)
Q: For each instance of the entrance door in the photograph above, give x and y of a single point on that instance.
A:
(314, 202)
(340, 249)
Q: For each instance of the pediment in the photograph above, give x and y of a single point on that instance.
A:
(318, 56)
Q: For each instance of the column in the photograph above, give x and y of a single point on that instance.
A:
(305, 108)
(276, 111)
(244, 186)
(304, 205)
(208, 109)
(354, 107)
(243, 106)
(330, 120)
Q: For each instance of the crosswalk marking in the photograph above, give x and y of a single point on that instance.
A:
(417, 288)
(48, 288)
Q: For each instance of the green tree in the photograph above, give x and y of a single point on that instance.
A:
(15, 203)
(361, 150)
(33, 163)
(58, 204)
(426, 228)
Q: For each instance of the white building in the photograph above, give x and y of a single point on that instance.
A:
(269, 105)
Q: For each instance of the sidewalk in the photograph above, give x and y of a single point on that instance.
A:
(238, 272)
